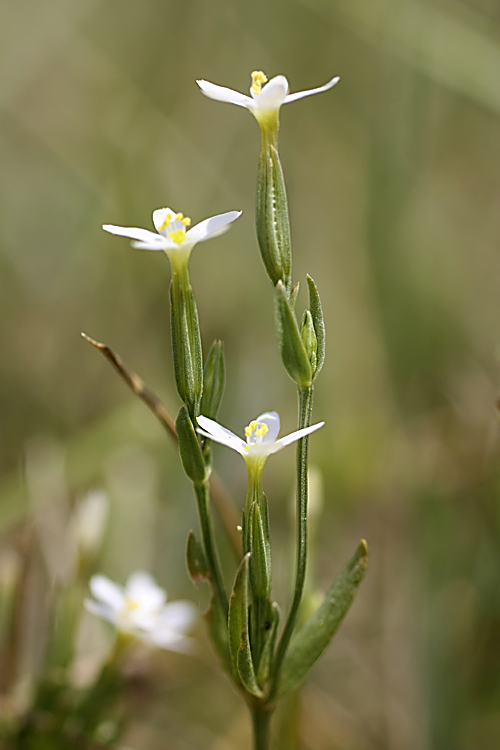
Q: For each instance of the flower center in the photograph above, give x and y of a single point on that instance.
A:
(175, 226)
(258, 78)
(255, 432)
(130, 604)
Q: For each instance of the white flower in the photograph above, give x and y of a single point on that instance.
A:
(140, 609)
(265, 96)
(172, 235)
(261, 436)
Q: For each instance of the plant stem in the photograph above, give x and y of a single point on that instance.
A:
(305, 409)
(261, 721)
(207, 532)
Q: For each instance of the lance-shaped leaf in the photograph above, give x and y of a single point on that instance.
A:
(292, 350)
(316, 309)
(215, 619)
(214, 379)
(271, 215)
(189, 447)
(310, 641)
(239, 636)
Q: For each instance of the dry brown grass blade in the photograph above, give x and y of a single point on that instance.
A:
(220, 497)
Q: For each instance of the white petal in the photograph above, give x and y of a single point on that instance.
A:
(273, 94)
(144, 235)
(271, 418)
(143, 589)
(302, 94)
(293, 436)
(101, 610)
(215, 431)
(106, 591)
(171, 641)
(178, 616)
(152, 245)
(223, 94)
(159, 217)
(211, 227)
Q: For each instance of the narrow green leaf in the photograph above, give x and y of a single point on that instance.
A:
(293, 353)
(215, 619)
(316, 309)
(239, 640)
(189, 447)
(310, 641)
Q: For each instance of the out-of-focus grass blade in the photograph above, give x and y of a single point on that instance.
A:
(452, 50)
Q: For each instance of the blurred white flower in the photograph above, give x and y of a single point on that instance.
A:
(141, 609)
(261, 436)
(172, 234)
(265, 96)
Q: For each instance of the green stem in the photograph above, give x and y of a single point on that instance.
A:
(207, 532)
(305, 409)
(261, 721)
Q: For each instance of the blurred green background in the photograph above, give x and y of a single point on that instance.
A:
(394, 190)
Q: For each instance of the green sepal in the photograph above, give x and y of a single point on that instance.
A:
(215, 619)
(292, 350)
(214, 379)
(310, 641)
(271, 216)
(316, 309)
(239, 636)
(271, 631)
(186, 340)
(189, 447)
(260, 561)
(309, 339)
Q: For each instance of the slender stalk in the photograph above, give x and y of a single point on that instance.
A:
(305, 409)
(207, 532)
(261, 722)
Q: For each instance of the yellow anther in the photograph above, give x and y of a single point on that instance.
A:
(258, 78)
(131, 604)
(251, 428)
(263, 430)
(186, 221)
(178, 236)
(179, 217)
(168, 219)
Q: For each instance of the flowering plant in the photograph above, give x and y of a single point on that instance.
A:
(263, 660)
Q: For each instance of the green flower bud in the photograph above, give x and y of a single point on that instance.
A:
(309, 339)
(293, 353)
(214, 378)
